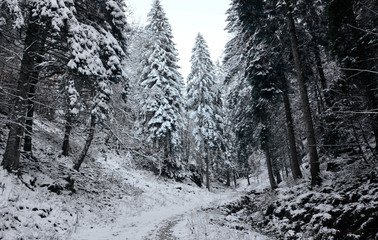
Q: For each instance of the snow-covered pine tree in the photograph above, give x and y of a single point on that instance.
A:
(44, 19)
(240, 123)
(98, 52)
(72, 106)
(260, 60)
(202, 104)
(162, 84)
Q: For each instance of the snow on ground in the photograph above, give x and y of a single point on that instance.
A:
(164, 210)
(109, 199)
(213, 225)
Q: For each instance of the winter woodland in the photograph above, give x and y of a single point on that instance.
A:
(101, 137)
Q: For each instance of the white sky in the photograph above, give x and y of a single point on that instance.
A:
(187, 18)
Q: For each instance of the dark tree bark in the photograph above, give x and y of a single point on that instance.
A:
(248, 180)
(207, 170)
(228, 178)
(88, 142)
(67, 133)
(278, 175)
(30, 115)
(319, 67)
(311, 142)
(29, 119)
(11, 158)
(34, 77)
(266, 149)
(235, 179)
(295, 169)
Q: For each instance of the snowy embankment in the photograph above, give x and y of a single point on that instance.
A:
(344, 207)
(107, 199)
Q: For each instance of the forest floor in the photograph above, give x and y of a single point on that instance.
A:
(112, 202)
(165, 209)
(344, 207)
(108, 199)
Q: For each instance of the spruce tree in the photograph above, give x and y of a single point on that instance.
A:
(98, 53)
(351, 30)
(79, 44)
(162, 84)
(202, 105)
(238, 100)
(43, 19)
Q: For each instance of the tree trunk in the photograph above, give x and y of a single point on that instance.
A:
(234, 176)
(265, 146)
(207, 170)
(66, 139)
(311, 142)
(11, 158)
(228, 177)
(372, 104)
(319, 67)
(278, 175)
(31, 94)
(286, 170)
(87, 143)
(29, 116)
(358, 143)
(295, 169)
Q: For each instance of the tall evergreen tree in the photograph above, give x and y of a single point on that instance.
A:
(93, 48)
(257, 52)
(98, 53)
(202, 104)
(260, 70)
(239, 101)
(162, 87)
(351, 29)
(310, 132)
(43, 18)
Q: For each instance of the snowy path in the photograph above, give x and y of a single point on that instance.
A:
(182, 219)
(165, 229)
(154, 219)
(163, 210)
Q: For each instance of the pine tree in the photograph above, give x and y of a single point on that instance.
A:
(256, 54)
(310, 132)
(260, 71)
(351, 29)
(72, 111)
(78, 44)
(239, 101)
(162, 85)
(44, 18)
(202, 105)
(98, 53)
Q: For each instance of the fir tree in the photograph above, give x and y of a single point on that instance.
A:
(351, 29)
(202, 104)
(44, 19)
(162, 84)
(98, 53)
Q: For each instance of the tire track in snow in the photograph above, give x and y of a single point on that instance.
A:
(164, 231)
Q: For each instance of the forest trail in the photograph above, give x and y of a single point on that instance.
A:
(165, 229)
(171, 227)
(154, 219)
(164, 209)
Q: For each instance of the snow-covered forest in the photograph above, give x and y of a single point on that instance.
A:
(101, 137)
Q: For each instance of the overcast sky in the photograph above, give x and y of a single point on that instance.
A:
(187, 18)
